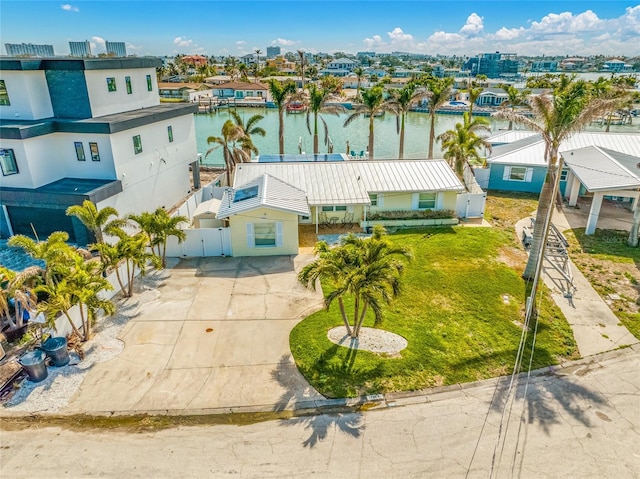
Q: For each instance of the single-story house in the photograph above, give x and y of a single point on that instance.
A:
(286, 194)
(183, 91)
(492, 97)
(241, 90)
(602, 173)
(521, 165)
(263, 216)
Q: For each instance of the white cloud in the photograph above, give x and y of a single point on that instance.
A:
(240, 42)
(182, 42)
(473, 26)
(284, 42)
(67, 7)
(508, 33)
(98, 45)
(566, 22)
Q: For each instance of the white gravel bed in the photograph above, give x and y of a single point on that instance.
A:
(54, 392)
(370, 339)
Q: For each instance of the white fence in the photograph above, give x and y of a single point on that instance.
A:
(472, 203)
(201, 242)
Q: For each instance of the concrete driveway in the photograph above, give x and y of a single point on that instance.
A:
(215, 336)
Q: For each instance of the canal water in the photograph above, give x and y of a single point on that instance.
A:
(296, 135)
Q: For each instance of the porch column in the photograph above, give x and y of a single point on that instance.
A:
(575, 190)
(316, 220)
(594, 213)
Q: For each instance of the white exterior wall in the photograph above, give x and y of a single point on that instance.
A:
(103, 102)
(53, 157)
(28, 95)
(147, 181)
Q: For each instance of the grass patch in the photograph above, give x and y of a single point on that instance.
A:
(461, 312)
(611, 267)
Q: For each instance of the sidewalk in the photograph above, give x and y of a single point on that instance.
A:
(595, 327)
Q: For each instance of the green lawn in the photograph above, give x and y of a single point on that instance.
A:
(453, 314)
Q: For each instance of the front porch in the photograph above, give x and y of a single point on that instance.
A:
(307, 236)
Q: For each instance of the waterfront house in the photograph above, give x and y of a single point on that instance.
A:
(88, 129)
(241, 90)
(184, 91)
(521, 166)
(269, 200)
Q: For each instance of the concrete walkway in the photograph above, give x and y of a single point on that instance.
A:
(595, 327)
(216, 336)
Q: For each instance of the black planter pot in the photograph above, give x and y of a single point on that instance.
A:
(14, 335)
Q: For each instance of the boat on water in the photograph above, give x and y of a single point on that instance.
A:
(296, 107)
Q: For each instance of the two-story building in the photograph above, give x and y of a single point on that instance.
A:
(88, 129)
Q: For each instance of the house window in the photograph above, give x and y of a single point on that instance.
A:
(127, 82)
(111, 84)
(79, 150)
(373, 197)
(518, 173)
(170, 133)
(4, 95)
(334, 208)
(8, 162)
(264, 234)
(149, 83)
(137, 144)
(95, 154)
(563, 175)
(427, 201)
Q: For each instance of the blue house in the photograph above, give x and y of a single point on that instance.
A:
(520, 165)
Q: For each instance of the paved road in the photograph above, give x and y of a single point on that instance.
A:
(582, 422)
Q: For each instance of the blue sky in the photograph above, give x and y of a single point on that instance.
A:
(525, 27)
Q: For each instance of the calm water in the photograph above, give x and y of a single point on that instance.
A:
(387, 140)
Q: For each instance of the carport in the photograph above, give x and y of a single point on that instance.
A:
(603, 173)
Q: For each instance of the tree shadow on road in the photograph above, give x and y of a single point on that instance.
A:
(298, 393)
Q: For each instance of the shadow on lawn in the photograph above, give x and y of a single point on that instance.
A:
(298, 391)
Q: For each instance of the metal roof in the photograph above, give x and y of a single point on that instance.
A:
(510, 136)
(350, 182)
(270, 192)
(530, 151)
(598, 169)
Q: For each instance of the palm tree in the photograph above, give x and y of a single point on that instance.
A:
(257, 67)
(94, 220)
(249, 128)
(373, 103)
(301, 55)
(439, 93)
(402, 102)
(557, 116)
(318, 102)
(52, 251)
(280, 95)
(359, 73)
(515, 99)
(369, 270)
(461, 144)
(18, 294)
(474, 94)
(232, 155)
(158, 226)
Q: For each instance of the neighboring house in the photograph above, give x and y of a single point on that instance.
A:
(521, 165)
(88, 129)
(194, 60)
(342, 64)
(241, 90)
(617, 66)
(281, 64)
(184, 91)
(492, 97)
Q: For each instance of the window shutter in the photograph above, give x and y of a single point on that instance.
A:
(506, 173)
(251, 242)
(415, 198)
(380, 200)
(528, 175)
(279, 233)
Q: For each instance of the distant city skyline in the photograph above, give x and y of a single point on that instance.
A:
(528, 28)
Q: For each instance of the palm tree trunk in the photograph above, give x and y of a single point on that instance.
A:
(73, 326)
(315, 133)
(356, 316)
(361, 320)
(371, 136)
(545, 203)
(281, 129)
(401, 152)
(432, 133)
(164, 253)
(122, 287)
(343, 312)
(130, 280)
(510, 125)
